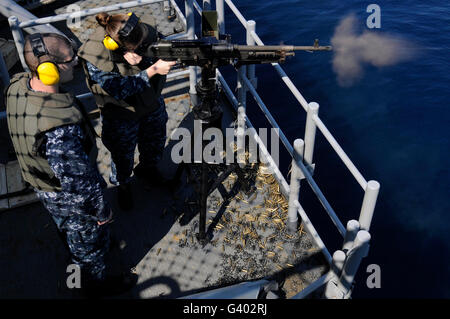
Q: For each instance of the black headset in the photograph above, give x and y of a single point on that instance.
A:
(129, 26)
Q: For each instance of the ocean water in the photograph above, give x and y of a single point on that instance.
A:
(393, 123)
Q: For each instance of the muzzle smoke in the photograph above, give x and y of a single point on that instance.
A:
(352, 51)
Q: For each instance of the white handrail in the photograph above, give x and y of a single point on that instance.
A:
(334, 144)
(236, 12)
(86, 12)
(198, 7)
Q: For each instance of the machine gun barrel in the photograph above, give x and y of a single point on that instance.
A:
(286, 48)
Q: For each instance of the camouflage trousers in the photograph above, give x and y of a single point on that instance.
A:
(121, 137)
(87, 241)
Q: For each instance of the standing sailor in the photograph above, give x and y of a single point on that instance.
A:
(55, 147)
(127, 88)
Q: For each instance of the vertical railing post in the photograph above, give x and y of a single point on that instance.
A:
(251, 27)
(242, 71)
(242, 92)
(337, 264)
(368, 205)
(350, 235)
(294, 187)
(190, 32)
(220, 8)
(310, 133)
(18, 39)
(359, 250)
(240, 136)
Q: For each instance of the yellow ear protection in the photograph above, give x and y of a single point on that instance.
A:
(131, 23)
(47, 71)
(109, 43)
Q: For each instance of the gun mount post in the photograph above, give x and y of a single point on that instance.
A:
(209, 112)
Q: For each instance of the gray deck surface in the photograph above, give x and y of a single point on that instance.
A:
(157, 238)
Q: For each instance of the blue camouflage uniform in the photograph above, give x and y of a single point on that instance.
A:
(80, 203)
(121, 136)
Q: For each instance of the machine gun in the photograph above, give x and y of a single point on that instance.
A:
(211, 52)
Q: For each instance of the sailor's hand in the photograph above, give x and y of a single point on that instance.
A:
(132, 58)
(160, 67)
(108, 220)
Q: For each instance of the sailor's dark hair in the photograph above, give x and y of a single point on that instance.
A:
(114, 23)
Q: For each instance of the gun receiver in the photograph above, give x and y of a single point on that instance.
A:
(210, 51)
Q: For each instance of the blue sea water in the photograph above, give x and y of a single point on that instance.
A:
(393, 123)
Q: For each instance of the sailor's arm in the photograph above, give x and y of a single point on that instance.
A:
(116, 85)
(120, 87)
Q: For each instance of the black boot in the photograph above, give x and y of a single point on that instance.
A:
(110, 286)
(124, 197)
(150, 176)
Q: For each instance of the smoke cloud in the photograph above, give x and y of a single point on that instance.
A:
(352, 51)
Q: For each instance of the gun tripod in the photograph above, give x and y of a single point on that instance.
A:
(209, 112)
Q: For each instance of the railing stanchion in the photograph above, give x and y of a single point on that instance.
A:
(368, 205)
(310, 133)
(251, 26)
(337, 264)
(18, 39)
(190, 32)
(240, 136)
(241, 87)
(350, 235)
(359, 250)
(294, 187)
